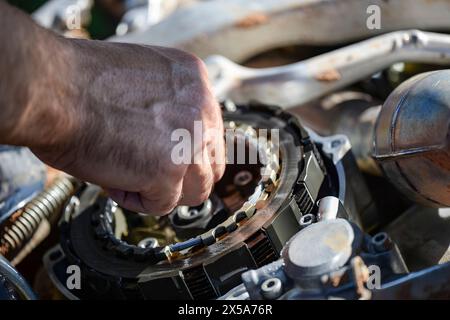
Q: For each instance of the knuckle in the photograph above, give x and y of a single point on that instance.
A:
(197, 62)
(168, 203)
(199, 198)
(203, 196)
(166, 210)
(166, 206)
(191, 61)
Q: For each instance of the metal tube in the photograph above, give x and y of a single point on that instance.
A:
(328, 208)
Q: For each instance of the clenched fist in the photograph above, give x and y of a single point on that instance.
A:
(105, 112)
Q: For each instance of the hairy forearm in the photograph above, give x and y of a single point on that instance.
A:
(105, 112)
(34, 69)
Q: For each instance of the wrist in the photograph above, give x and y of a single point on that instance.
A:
(45, 115)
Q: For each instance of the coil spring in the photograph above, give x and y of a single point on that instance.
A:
(22, 225)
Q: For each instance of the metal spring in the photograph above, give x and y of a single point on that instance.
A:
(22, 225)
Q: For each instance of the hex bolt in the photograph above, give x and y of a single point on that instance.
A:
(307, 220)
(148, 243)
(187, 213)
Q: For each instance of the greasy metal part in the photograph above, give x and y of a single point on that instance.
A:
(299, 83)
(412, 138)
(239, 29)
(22, 225)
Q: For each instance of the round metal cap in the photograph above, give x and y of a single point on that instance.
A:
(320, 248)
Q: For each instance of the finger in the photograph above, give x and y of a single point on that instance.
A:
(198, 183)
(159, 202)
(164, 202)
(126, 199)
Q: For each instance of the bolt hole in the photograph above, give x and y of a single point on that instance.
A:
(243, 178)
(380, 238)
(55, 255)
(307, 219)
(193, 212)
(335, 143)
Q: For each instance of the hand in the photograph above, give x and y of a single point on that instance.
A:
(118, 105)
